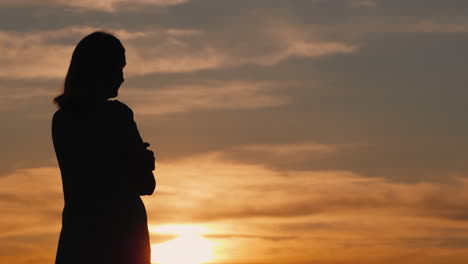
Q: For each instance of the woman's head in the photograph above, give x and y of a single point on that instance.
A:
(96, 70)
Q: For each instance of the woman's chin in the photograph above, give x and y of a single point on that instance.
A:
(113, 95)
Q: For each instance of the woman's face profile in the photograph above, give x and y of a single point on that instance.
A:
(96, 70)
(116, 77)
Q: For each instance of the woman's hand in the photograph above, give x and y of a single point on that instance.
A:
(148, 157)
(143, 180)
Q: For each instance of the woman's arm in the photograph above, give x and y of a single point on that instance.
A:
(145, 183)
(140, 161)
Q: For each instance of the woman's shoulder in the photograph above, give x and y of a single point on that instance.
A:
(57, 115)
(119, 109)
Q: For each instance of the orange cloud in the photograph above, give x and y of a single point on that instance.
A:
(217, 95)
(31, 201)
(340, 216)
(102, 5)
(251, 210)
(13, 98)
(43, 54)
(292, 149)
(46, 54)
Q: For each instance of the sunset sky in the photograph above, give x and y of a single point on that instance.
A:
(285, 131)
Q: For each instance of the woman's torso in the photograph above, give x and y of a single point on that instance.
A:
(102, 219)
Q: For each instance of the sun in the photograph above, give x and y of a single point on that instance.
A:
(188, 248)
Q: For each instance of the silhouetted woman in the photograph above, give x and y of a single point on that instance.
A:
(104, 163)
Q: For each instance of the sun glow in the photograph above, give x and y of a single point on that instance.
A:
(189, 248)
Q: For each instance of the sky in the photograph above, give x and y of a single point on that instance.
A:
(305, 131)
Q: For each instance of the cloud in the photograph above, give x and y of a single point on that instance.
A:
(437, 26)
(101, 5)
(272, 40)
(31, 201)
(362, 29)
(26, 56)
(287, 156)
(296, 194)
(111, 5)
(287, 164)
(299, 149)
(170, 58)
(16, 97)
(264, 45)
(363, 3)
(215, 95)
(236, 201)
(300, 156)
(248, 236)
(46, 54)
(366, 157)
(324, 210)
(412, 25)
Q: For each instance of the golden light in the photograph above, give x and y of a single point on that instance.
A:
(189, 248)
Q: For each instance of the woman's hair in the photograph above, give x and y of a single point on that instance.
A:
(92, 61)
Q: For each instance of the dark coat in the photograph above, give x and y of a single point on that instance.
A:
(105, 167)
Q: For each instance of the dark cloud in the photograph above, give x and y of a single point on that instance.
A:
(26, 141)
(406, 123)
(450, 242)
(403, 122)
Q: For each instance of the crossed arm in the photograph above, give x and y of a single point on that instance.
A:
(141, 160)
